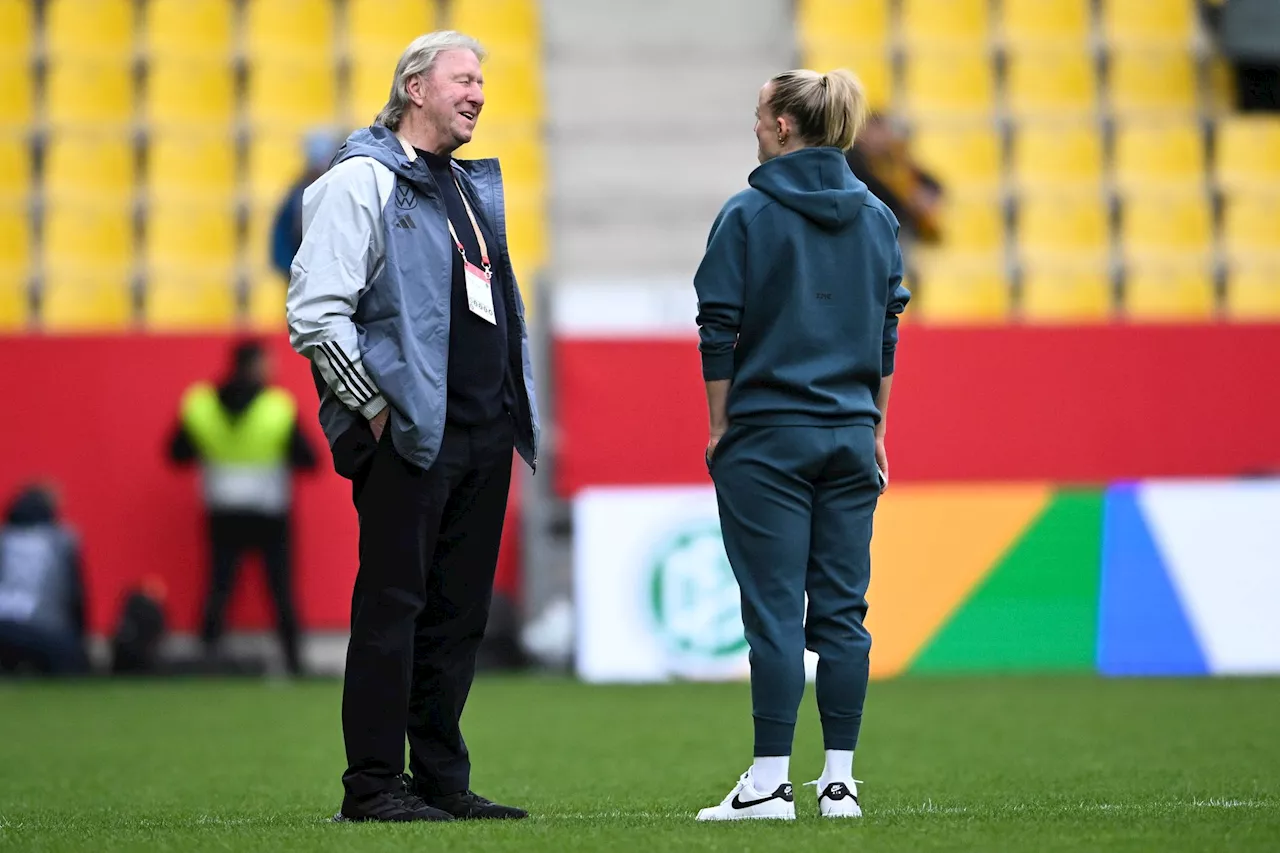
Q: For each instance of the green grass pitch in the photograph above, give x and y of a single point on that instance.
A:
(1026, 764)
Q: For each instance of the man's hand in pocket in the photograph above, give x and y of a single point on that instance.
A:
(378, 423)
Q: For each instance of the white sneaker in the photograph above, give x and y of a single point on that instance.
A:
(838, 799)
(746, 803)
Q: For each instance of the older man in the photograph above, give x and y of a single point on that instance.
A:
(402, 295)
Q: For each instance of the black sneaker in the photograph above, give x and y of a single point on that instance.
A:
(399, 804)
(468, 805)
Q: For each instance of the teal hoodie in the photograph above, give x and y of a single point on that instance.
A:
(799, 294)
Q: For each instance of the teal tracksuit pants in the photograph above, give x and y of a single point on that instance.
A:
(796, 505)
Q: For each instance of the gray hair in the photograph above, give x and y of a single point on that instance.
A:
(418, 58)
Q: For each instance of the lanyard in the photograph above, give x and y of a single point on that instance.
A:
(484, 249)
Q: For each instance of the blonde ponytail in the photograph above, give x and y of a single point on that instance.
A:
(846, 108)
(828, 109)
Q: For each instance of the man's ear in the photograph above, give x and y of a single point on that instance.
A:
(417, 89)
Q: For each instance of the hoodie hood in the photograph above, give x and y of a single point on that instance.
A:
(382, 144)
(816, 183)
(33, 507)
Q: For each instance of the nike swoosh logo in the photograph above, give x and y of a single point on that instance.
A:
(739, 803)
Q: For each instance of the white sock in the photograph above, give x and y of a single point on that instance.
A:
(839, 768)
(770, 771)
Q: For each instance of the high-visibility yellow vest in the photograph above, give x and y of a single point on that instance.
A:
(244, 457)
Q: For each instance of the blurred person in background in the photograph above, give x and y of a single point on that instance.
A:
(245, 436)
(882, 160)
(42, 614)
(404, 299)
(798, 301)
(1248, 35)
(286, 231)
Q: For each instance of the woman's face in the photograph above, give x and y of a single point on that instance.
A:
(769, 130)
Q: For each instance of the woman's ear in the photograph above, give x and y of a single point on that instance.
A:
(784, 130)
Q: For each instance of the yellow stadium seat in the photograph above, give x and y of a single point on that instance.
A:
(13, 302)
(369, 87)
(1057, 155)
(1159, 155)
(972, 224)
(1146, 82)
(86, 300)
(1253, 292)
(1065, 292)
(949, 83)
(85, 234)
(384, 28)
(298, 28)
(527, 229)
(929, 22)
(962, 157)
(16, 93)
(191, 164)
(186, 234)
(1028, 22)
(80, 28)
(864, 22)
(292, 94)
(1066, 225)
(1251, 224)
(1248, 152)
(1163, 225)
(512, 89)
(1148, 21)
(870, 64)
(1221, 89)
(1051, 83)
(189, 29)
(15, 167)
(276, 161)
(184, 299)
(88, 165)
(509, 23)
(15, 240)
(261, 219)
(1168, 292)
(520, 150)
(183, 91)
(267, 292)
(97, 94)
(17, 28)
(962, 291)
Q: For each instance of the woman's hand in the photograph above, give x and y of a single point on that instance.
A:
(882, 462)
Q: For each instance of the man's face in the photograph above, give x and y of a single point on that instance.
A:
(454, 95)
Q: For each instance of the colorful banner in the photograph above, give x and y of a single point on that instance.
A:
(1160, 578)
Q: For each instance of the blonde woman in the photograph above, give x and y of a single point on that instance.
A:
(798, 301)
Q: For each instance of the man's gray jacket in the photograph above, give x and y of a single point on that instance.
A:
(370, 287)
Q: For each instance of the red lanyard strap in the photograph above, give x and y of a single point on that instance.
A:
(475, 226)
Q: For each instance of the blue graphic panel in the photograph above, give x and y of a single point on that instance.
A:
(1142, 627)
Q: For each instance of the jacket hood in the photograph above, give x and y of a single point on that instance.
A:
(382, 144)
(816, 183)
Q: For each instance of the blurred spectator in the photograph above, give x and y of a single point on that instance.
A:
(42, 621)
(286, 232)
(881, 160)
(1248, 34)
(245, 435)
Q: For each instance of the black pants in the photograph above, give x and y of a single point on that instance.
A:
(231, 536)
(428, 552)
(40, 650)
